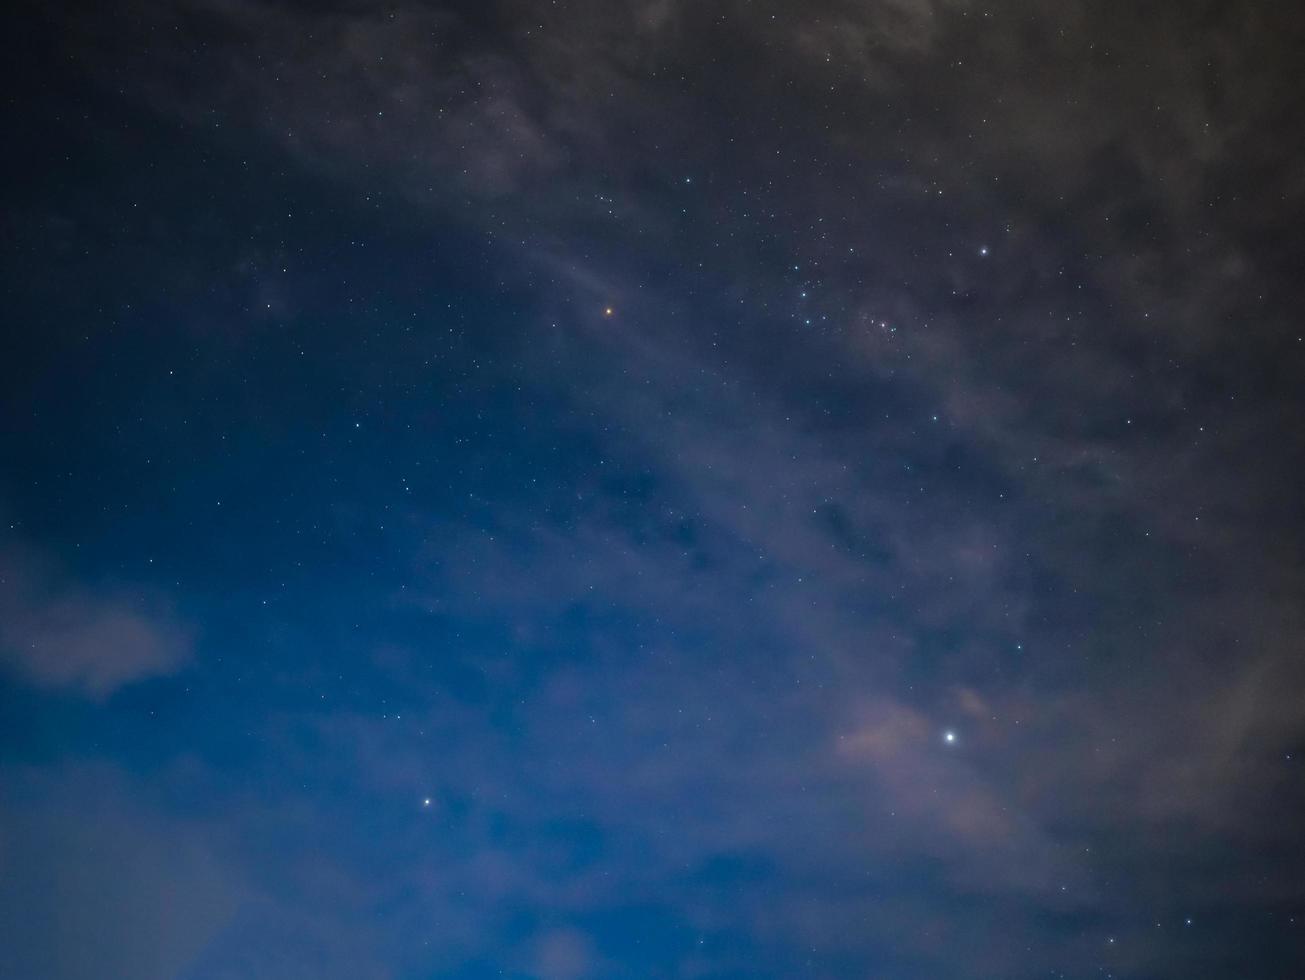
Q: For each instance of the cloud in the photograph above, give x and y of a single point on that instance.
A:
(62, 635)
(563, 954)
(351, 90)
(993, 489)
(95, 883)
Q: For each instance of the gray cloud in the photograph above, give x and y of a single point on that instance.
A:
(63, 635)
(96, 884)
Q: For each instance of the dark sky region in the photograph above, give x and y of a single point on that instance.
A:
(660, 489)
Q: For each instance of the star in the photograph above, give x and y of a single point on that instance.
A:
(949, 737)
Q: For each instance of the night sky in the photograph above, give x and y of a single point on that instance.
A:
(652, 489)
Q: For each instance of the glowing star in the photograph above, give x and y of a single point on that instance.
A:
(608, 311)
(983, 251)
(949, 738)
(426, 801)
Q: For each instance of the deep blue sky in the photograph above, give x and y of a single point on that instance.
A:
(652, 489)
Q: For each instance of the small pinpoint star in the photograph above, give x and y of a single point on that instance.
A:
(949, 737)
(608, 311)
(426, 801)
